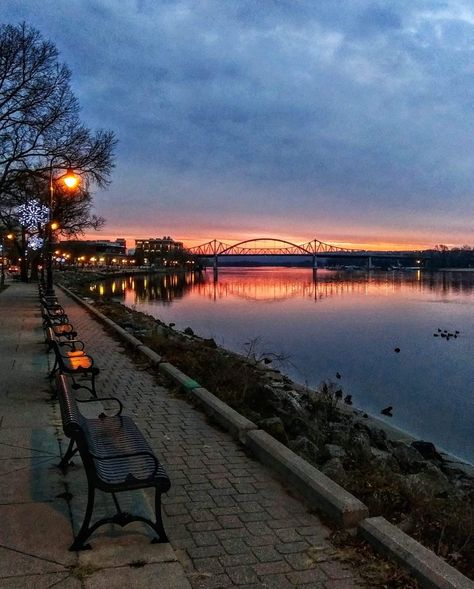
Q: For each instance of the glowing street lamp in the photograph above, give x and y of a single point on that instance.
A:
(70, 180)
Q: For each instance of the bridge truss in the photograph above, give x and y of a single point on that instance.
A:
(265, 246)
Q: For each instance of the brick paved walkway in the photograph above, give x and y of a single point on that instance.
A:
(230, 522)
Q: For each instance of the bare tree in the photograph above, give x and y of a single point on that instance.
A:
(41, 133)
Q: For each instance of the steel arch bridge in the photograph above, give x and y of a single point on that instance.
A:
(277, 247)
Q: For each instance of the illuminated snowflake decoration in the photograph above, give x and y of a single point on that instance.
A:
(35, 242)
(32, 214)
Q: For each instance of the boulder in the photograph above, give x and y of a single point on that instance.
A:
(427, 450)
(296, 427)
(378, 438)
(334, 470)
(274, 426)
(409, 459)
(358, 446)
(430, 482)
(334, 451)
(384, 460)
(304, 448)
(339, 434)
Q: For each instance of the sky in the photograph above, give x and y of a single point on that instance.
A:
(349, 121)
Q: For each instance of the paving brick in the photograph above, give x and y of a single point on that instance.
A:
(271, 568)
(291, 547)
(335, 570)
(209, 581)
(255, 516)
(300, 561)
(241, 575)
(266, 553)
(277, 582)
(308, 576)
(207, 526)
(205, 551)
(341, 584)
(235, 546)
(237, 559)
(208, 565)
(230, 521)
(205, 539)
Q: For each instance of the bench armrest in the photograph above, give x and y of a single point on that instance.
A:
(71, 342)
(120, 409)
(128, 455)
(57, 319)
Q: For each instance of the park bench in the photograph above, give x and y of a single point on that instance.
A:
(53, 314)
(116, 458)
(62, 331)
(62, 335)
(74, 362)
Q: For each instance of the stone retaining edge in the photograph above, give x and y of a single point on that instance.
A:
(182, 379)
(316, 487)
(232, 421)
(431, 571)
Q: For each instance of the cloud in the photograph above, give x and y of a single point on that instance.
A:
(342, 112)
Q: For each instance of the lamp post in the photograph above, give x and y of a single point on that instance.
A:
(70, 180)
(2, 242)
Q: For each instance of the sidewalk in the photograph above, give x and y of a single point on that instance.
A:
(230, 523)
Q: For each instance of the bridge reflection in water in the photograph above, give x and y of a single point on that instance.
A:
(276, 284)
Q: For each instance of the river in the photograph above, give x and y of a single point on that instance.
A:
(380, 332)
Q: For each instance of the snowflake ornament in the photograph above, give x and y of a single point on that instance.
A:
(32, 214)
(35, 242)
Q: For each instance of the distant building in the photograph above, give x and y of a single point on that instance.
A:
(162, 251)
(95, 252)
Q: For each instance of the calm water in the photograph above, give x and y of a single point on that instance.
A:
(345, 322)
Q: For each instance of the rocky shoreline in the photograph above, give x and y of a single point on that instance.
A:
(426, 493)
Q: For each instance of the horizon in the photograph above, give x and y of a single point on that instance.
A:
(196, 241)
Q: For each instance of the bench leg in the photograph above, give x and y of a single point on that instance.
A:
(76, 386)
(67, 457)
(54, 369)
(158, 526)
(85, 531)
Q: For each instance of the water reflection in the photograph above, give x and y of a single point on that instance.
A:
(279, 284)
(344, 322)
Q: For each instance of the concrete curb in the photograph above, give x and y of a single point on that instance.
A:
(316, 487)
(431, 571)
(232, 421)
(319, 490)
(182, 379)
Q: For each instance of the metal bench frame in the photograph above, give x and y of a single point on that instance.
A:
(129, 446)
(63, 364)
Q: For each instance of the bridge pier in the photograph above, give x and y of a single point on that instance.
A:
(369, 264)
(215, 269)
